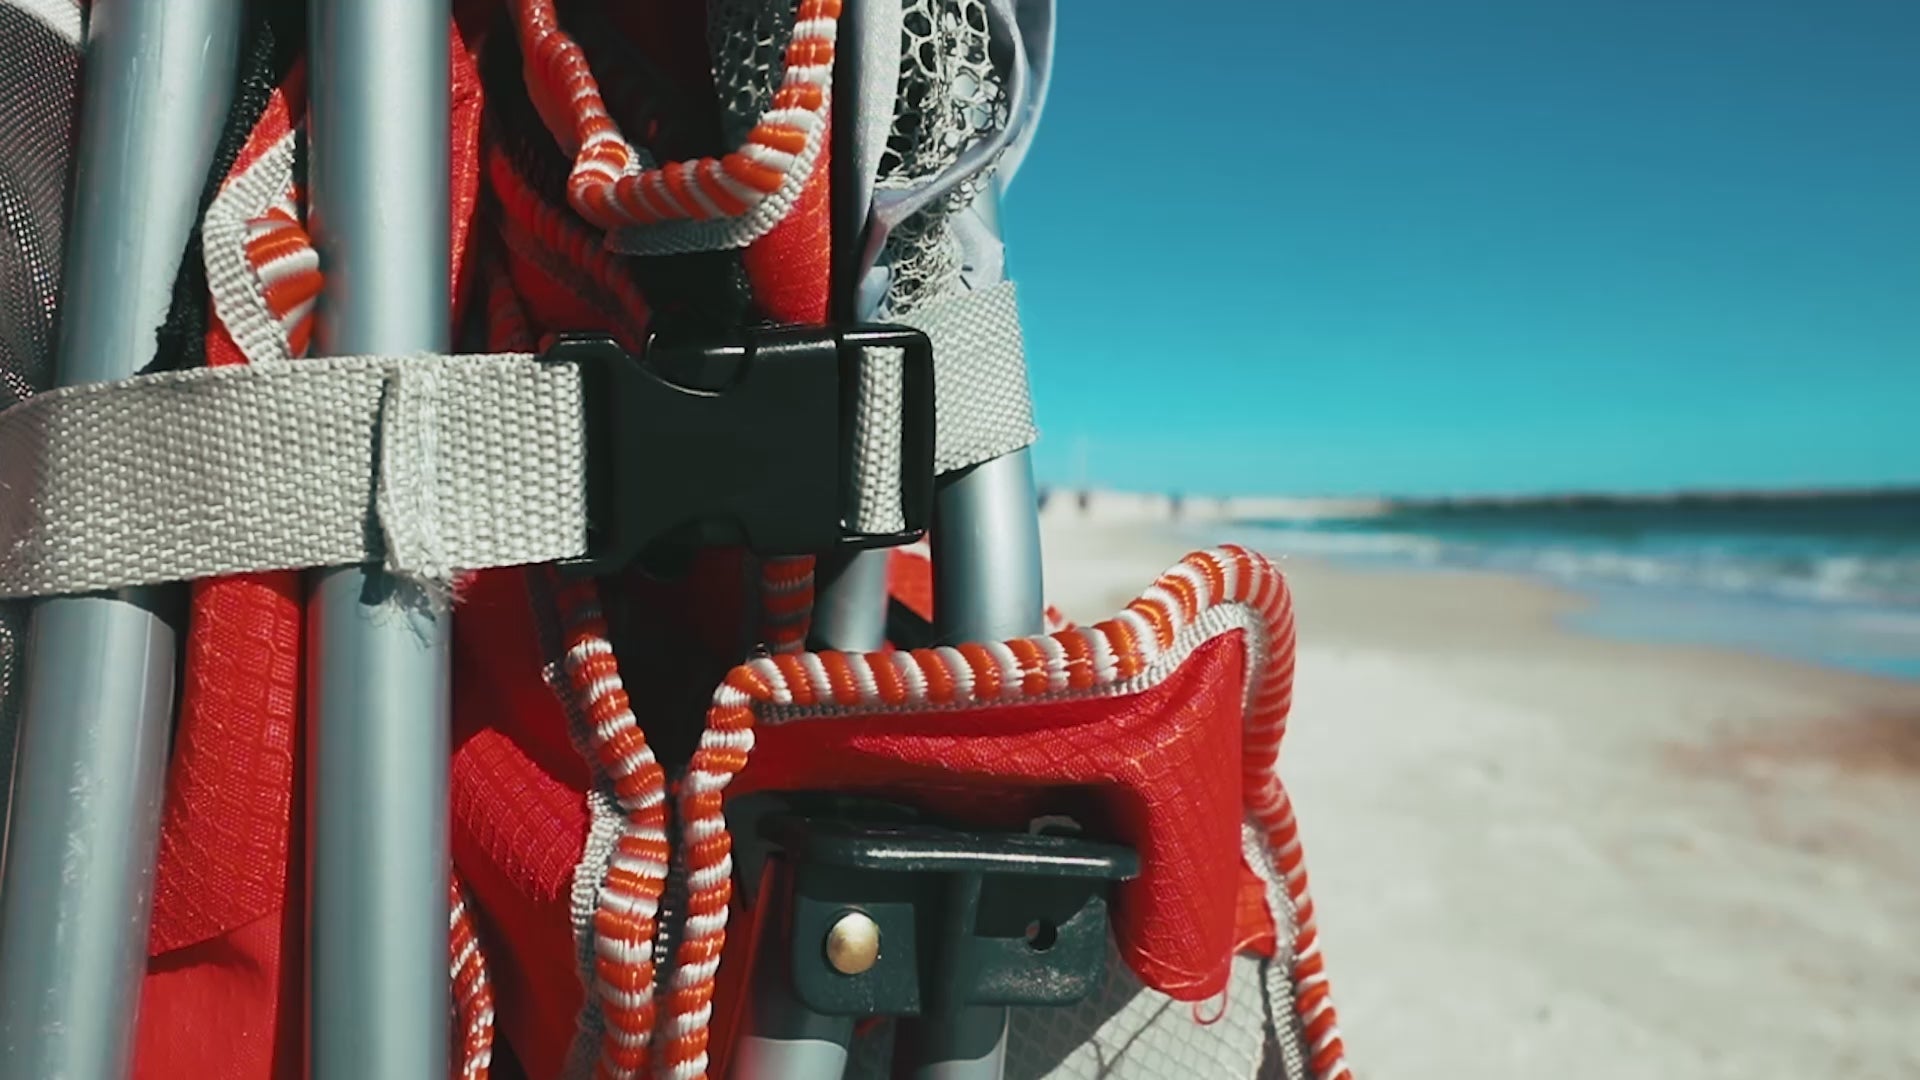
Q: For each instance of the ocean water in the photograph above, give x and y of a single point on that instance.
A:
(1833, 579)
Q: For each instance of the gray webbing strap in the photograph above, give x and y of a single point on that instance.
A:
(979, 375)
(428, 464)
(981, 400)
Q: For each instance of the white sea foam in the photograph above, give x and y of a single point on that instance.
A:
(1794, 569)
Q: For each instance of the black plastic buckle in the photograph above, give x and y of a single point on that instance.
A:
(746, 440)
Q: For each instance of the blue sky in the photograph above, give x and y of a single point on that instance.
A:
(1430, 246)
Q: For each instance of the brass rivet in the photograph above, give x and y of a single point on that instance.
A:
(853, 945)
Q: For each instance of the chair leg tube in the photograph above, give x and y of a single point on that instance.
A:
(379, 694)
(97, 716)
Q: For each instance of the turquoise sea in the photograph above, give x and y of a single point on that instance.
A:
(1830, 578)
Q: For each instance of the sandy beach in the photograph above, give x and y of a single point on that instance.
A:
(1538, 854)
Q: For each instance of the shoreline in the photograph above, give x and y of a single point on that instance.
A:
(1439, 612)
(1329, 587)
(1526, 601)
(1537, 852)
(1820, 577)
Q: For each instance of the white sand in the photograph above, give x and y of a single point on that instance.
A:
(1537, 855)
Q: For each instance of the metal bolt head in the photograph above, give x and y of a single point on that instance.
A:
(853, 945)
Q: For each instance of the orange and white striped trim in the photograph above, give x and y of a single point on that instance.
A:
(263, 274)
(1206, 595)
(626, 906)
(472, 990)
(1055, 620)
(705, 204)
(535, 231)
(286, 268)
(786, 602)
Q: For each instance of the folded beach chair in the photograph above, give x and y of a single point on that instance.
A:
(595, 438)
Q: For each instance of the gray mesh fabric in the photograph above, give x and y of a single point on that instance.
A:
(1127, 1030)
(924, 260)
(951, 92)
(39, 69)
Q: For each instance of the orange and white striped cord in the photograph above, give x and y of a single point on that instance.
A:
(1056, 621)
(287, 269)
(628, 902)
(472, 990)
(536, 231)
(786, 602)
(1120, 655)
(699, 205)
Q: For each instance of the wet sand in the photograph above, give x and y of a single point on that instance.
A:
(1538, 854)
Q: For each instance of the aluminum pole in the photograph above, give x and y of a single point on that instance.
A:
(850, 606)
(784, 1039)
(96, 721)
(986, 552)
(378, 739)
(986, 587)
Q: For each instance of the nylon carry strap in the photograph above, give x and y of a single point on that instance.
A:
(982, 404)
(427, 464)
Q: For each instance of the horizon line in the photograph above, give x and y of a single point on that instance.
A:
(1700, 494)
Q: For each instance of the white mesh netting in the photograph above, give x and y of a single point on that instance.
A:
(951, 90)
(952, 94)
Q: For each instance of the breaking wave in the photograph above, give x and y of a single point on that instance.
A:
(1852, 550)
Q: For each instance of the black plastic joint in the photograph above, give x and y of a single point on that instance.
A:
(963, 918)
(745, 440)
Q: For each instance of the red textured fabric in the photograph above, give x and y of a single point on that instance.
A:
(1158, 770)
(790, 267)
(519, 815)
(225, 826)
(466, 102)
(223, 976)
(552, 293)
(910, 581)
(222, 990)
(227, 1006)
(1254, 928)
